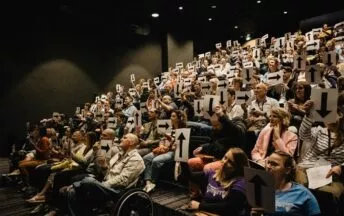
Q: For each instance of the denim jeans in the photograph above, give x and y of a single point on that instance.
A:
(154, 162)
(87, 193)
(201, 128)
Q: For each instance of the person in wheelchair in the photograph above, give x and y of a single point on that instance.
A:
(123, 172)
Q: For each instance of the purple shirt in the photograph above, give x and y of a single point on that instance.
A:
(215, 192)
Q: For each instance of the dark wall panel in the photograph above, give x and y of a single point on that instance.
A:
(58, 66)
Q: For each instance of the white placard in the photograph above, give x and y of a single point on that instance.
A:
(339, 25)
(300, 62)
(287, 36)
(198, 106)
(77, 111)
(265, 37)
(178, 89)
(313, 45)
(187, 82)
(157, 80)
(132, 77)
(223, 94)
(206, 88)
(287, 58)
(191, 69)
(247, 64)
(111, 122)
(217, 69)
(118, 88)
(218, 45)
(202, 79)
(222, 84)
(247, 74)
(275, 78)
(256, 54)
(164, 126)
(207, 54)
(260, 189)
(325, 105)
(130, 124)
(309, 36)
(143, 107)
(106, 145)
(99, 116)
(179, 65)
(316, 31)
(182, 140)
(258, 42)
(329, 58)
(339, 40)
(279, 43)
(242, 97)
(229, 43)
(201, 55)
(290, 44)
(209, 104)
(313, 74)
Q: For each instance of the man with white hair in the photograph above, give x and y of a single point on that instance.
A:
(123, 171)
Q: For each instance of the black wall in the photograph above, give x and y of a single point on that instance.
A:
(55, 61)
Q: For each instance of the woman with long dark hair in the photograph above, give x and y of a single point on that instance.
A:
(225, 191)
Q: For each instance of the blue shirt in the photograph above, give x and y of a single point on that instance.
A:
(298, 200)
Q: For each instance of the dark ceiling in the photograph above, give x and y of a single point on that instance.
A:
(191, 22)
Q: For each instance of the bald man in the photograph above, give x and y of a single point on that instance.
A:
(122, 172)
(262, 105)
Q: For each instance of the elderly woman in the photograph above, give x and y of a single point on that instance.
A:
(163, 153)
(225, 191)
(291, 198)
(275, 136)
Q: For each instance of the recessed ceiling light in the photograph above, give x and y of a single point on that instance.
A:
(213, 6)
(285, 12)
(258, 2)
(180, 8)
(155, 15)
(210, 19)
(236, 27)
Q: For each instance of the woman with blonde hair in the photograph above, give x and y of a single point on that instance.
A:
(225, 191)
(275, 136)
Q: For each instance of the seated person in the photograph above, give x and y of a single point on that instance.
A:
(123, 170)
(163, 153)
(326, 148)
(275, 136)
(291, 198)
(225, 134)
(225, 192)
(149, 136)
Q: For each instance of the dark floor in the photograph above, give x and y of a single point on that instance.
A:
(167, 199)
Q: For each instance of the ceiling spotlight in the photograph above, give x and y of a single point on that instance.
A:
(285, 12)
(180, 8)
(258, 2)
(235, 27)
(155, 15)
(210, 19)
(213, 6)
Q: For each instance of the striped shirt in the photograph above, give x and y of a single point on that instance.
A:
(320, 149)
